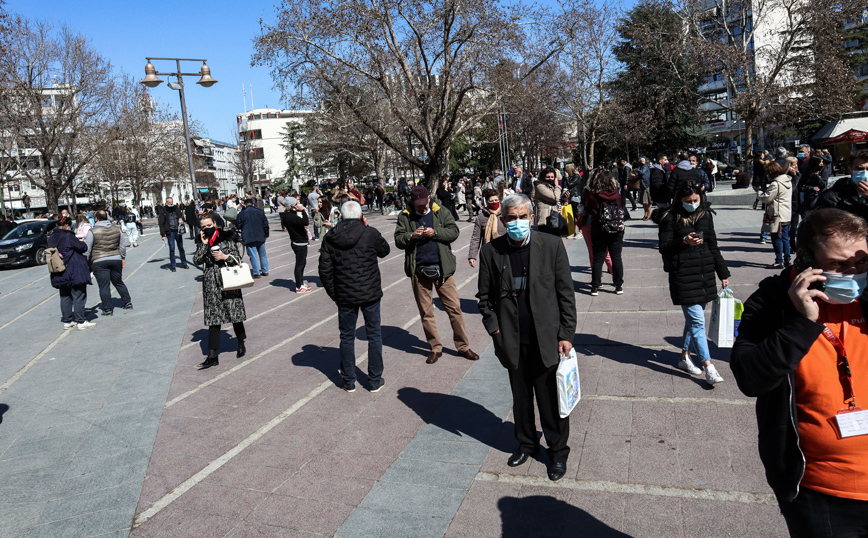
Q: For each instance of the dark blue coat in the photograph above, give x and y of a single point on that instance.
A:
(72, 249)
(253, 224)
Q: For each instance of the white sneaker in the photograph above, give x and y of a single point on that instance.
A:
(688, 366)
(70, 325)
(86, 325)
(711, 375)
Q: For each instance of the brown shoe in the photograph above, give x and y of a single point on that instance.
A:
(432, 358)
(256, 276)
(469, 355)
(264, 274)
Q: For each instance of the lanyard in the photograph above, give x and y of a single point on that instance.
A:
(843, 364)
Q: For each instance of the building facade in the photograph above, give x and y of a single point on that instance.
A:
(261, 132)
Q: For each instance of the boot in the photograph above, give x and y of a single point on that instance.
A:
(241, 349)
(210, 361)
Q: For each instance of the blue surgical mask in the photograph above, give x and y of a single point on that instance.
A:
(690, 208)
(423, 214)
(517, 230)
(859, 176)
(800, 155)
(844, 289)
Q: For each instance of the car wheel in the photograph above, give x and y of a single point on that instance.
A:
(40, 257)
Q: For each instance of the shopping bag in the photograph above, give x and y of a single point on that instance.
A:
(567, 212)
(739, 310)
(569, 390)
(721, 328)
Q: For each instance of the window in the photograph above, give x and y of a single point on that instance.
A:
(717, 116)
(258, 153)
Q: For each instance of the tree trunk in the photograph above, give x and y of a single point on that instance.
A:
(748, 141)
(51, 196)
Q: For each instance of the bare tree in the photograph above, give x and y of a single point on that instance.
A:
(433, 64)
(765, 53)
(588, 65)
(57, 104)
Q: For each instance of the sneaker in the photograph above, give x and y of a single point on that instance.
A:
(128, 306)
(619, 290)
(349, 387)
(105, 313)
(307, 287)
(302, 290)
(70, 325)
(687, 365)
(595, 292)
(378, 387)
(135, 244)
(711, 375)
(775, 266)
(86, 325)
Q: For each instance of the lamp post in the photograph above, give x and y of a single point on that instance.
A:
(152, 81)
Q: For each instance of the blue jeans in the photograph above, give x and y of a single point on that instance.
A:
(347, 318)
(172, 236)
(781, 243)
(694, 331)
(258, 258)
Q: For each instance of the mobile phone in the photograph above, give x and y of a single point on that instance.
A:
(698, 235)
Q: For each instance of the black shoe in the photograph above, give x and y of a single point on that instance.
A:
(185, 267)
(128, 306)
(241, 349)
(172, 269)
(106, 313)
(557, 470)
(518, 457)
(209, 362)
(376, 388)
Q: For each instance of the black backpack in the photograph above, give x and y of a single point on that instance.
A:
(611, 217)
(130, 218)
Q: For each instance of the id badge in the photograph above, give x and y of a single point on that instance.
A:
(852, 422)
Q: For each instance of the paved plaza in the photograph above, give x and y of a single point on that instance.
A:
(114, 432)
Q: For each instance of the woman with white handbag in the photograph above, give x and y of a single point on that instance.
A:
(216, 252)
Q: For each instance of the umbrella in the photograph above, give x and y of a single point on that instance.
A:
(848, 137)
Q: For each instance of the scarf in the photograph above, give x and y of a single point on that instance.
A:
(491, 231)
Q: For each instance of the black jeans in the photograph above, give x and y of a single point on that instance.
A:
(106, 272)
(816, 515)
(531, 379)
(603, 242)
(347, 318)
(214, 334)
(72, 300)
(300, 262)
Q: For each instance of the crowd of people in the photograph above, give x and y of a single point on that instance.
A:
(790, 352)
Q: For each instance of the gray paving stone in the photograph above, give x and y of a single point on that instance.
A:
(76, 505)
(446, 451)
(370, 523)
(92, 524)
(433, 474)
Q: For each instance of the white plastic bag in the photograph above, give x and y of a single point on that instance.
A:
(569, 390)
(721, 326)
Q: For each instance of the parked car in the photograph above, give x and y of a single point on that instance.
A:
(26, 243)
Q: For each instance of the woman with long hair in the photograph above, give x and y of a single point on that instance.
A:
(688, 244)
(603, 192)
(778, 199)
(546, 195)
(215, 250)
(573, 189)
(82, 226)
(488, 225)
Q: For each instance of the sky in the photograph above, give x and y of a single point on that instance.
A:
(126, 32)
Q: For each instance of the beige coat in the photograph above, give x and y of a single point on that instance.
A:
(779, 201)
(545, 197)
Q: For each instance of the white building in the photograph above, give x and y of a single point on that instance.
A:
(261, 131)
(219, 159)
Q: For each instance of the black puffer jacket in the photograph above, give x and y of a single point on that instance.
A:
(844, 195)
(348, 265)
(691, 269)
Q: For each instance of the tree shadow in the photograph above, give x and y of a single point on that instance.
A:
(540, 515)
(653, 359)
(3, 409)
(456, 415)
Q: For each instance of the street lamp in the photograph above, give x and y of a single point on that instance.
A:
(151, 80)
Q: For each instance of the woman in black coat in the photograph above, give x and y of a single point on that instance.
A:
(692, 259)
(71, 284)
(214, 251)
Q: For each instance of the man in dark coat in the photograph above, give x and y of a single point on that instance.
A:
(170, 218)
(528, 307)
(191, 215)
(350, 275)
(254, 231)
(850, 193)
(6, 225)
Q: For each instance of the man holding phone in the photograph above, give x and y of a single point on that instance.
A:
(425, 234)
(801, 351)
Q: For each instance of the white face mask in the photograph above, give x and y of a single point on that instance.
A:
(844, 288)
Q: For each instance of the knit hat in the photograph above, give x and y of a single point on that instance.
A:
(291, 202)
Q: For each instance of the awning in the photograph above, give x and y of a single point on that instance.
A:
(850, 137)
(835, 128)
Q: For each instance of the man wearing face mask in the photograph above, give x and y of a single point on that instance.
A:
(170, 219)
(425, 233)
(528, 307)
(801, 351)
(850, 194)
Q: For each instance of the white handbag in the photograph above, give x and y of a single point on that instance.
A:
(569, 387)
(235, 277)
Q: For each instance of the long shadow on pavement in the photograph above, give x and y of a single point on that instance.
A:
(457, 415)
(3, 409)
(540, 515)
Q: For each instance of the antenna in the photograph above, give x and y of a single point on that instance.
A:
(244, 96)
(252, 106)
